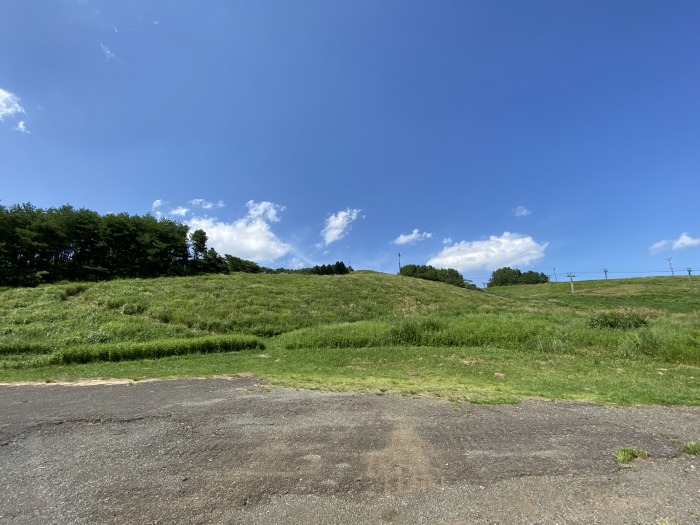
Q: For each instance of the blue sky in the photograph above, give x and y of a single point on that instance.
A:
(464, 134)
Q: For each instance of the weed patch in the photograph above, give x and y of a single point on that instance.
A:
(625, 455)
(692, 447)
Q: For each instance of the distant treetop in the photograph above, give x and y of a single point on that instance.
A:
(508, 276)
(446, 275)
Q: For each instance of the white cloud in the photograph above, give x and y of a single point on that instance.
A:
(22, 128)
(108, 54)
(410, 238)
(659, 246)
(295, 263)
(447, 240)
(250, 237)
(9, 104)
(180, 211)
(684, 241)
(264, 210)
(521, 211)
(510, 249)
(338, 224)
(201, 202)
(206, 204)
(154, 207)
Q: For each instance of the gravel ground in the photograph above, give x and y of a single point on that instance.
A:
(238, 451)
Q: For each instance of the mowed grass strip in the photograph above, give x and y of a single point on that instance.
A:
(458, 374)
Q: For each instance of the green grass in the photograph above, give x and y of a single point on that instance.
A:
(692, 447)
(665, 294)
(626, 342)
(625, 455)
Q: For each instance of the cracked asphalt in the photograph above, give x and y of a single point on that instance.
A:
(238, 451)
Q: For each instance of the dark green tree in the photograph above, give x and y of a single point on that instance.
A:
(508, 277)
(199, 243)
(504, 277)
(531, 277)
(430, 273)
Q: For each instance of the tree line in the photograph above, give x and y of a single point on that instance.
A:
(430, 273)
(339, 268)
(65, 243)
(508, 276)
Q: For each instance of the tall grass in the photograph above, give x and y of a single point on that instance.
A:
(556, 334)
(143, 350)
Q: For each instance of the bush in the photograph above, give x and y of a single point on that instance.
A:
(617, 320)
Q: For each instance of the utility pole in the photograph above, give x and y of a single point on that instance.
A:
(571, 276)
(555, 275)
(606, 273)
(671, 266)
(399, 262)
(690, 277)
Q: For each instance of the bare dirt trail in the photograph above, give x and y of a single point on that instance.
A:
(236, 451)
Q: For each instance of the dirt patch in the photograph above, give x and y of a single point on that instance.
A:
(237, 451)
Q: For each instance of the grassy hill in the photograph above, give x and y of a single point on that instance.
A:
(665, 294)
(625, 341)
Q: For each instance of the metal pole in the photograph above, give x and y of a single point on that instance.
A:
(399, 262)
(571, 276)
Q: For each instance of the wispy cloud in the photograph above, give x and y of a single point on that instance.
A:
(659, 246)
(22, 128)
(206, 204)
(108, 54)
(413, 237)
(157, 204)
(9, 104)
(338, 225)
(249, 237)
(180, 211)
(521, 211)
(509, 249)
(684, 241)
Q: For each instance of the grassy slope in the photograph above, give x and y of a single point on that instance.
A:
(378, 333)
(666, 294)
